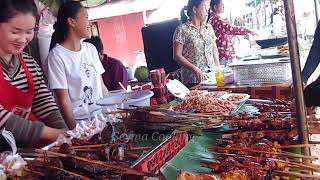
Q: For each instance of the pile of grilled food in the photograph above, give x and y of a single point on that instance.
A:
(100, 157)
(259, 148)
(162, 120)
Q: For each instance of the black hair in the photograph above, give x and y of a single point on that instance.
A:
(67, 10)
(189, 8)
(275, 12)
(96, 41)
(215, 3)
(10, 8)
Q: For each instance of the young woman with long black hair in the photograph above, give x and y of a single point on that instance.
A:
(73, 67)
(27, 108)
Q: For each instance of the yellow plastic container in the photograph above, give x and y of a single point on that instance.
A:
(220, 78)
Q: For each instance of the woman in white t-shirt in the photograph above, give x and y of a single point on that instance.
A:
(73, 67)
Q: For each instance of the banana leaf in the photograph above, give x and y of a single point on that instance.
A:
(190, 157)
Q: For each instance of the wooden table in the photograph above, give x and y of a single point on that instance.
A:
(280, 91)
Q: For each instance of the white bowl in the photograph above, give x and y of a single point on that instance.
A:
(125, 100)
(118, 91)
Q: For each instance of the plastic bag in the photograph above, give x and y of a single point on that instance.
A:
(3, 175)
(11, 162)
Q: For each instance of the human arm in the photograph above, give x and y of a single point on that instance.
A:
(216, 55)
(220, 25)
(105, 90)
(313, 57)
(43, 105)
(182, 61)
(65, 105)
(99, 69)
(215, 51)
(28, 133)
(58, 83)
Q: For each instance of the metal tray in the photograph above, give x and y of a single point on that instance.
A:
(241, 103)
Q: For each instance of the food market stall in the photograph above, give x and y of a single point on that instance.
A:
(266, 73)
(233, 137)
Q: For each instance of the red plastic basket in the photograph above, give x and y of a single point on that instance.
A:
(165, 152)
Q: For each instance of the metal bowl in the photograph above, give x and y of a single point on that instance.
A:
(266, 43)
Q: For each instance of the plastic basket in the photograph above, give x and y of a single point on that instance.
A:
(162, 154)
(262, 73)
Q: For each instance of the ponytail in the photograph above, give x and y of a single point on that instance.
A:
(61, 27)
(214, 3)
(209, 15)
(59, 35)
(184, 17)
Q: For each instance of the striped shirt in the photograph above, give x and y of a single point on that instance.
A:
(43, 102)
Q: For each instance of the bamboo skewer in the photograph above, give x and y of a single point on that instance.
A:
(266, 152)
(96, 146)
(86, 150)
(115, 112)
(294, 174)
(306, 166)
(34, 172)
(287, 173)
(105, 164)
(139, 148)
(237, 165)
(69, 172)
(295, 146)
(280, 146)
(133, 155)
(90, 146)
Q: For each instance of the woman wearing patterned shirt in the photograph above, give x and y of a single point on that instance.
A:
(194, 42)
(224, 32)
(27, 108)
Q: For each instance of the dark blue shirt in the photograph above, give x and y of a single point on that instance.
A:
(313, 57)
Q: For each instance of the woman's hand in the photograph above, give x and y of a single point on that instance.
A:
(198, 73)
(48, 135)
(253, 33)
(51, 134)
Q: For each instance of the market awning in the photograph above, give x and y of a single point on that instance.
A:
(107, 8)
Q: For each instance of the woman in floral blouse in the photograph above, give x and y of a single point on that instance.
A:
(194, 45)
(225, 32)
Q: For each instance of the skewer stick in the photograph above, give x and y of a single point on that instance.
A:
(139, 148)
(294, 174)
(234, 165)
(285, 173)
(132, 155)
(115, 112)
(34, 172)
(69, 172)
(217, 114)
(295, 146)
(281, 146)
(306, 166)
(89, 146)
(124, 170)
(293, 155)
(303, 166)
(85, 150)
